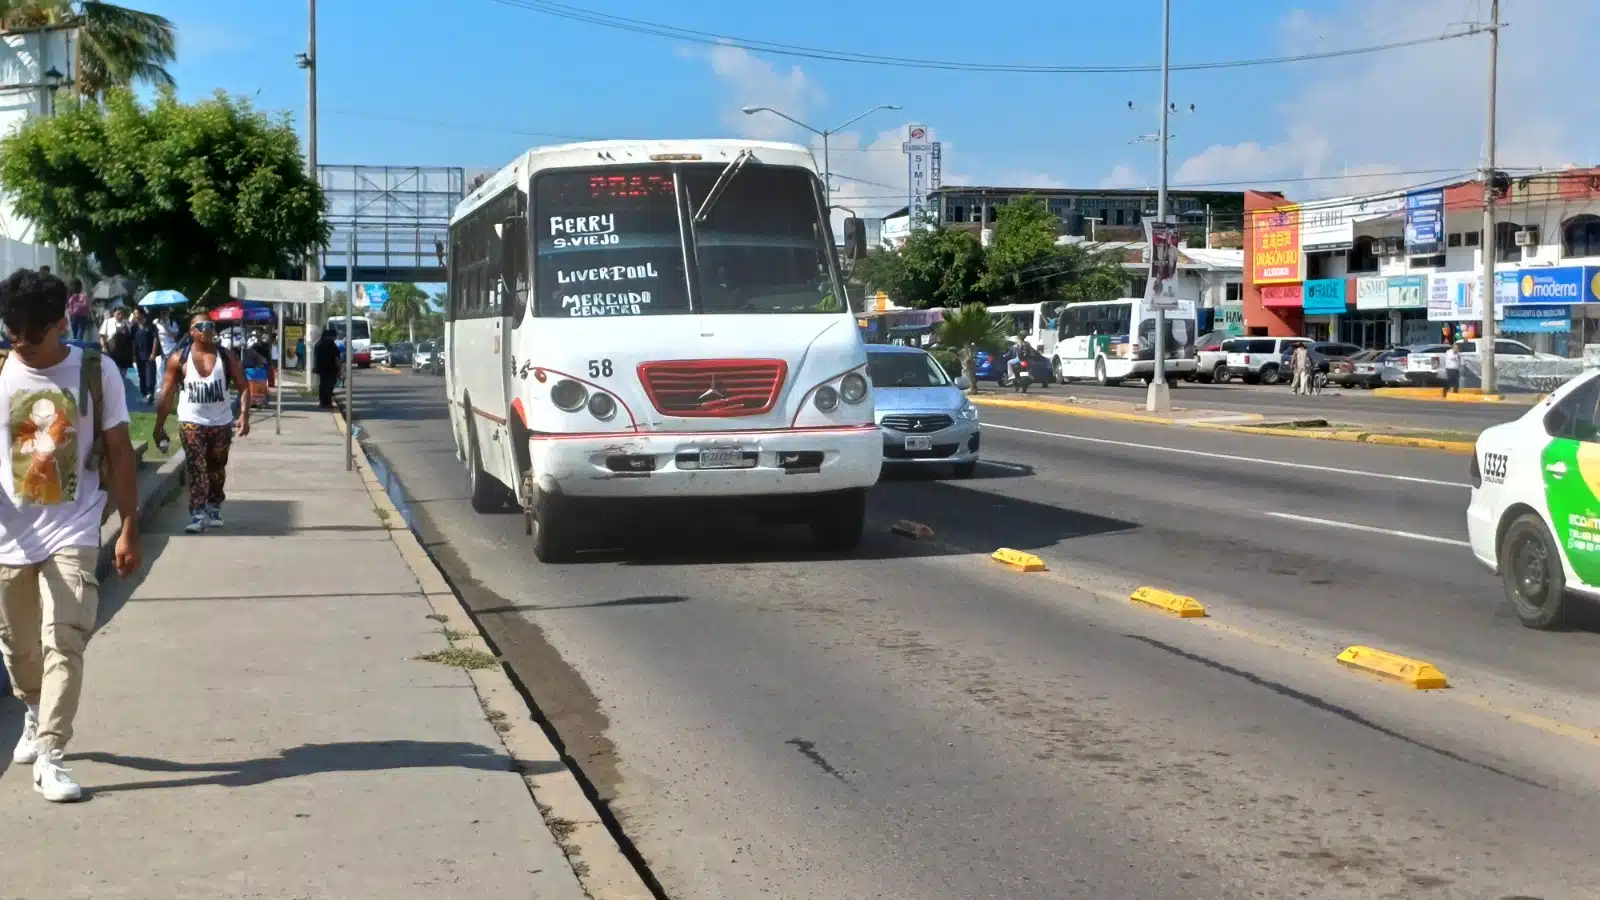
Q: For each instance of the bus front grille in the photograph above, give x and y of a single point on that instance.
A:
(713, 388)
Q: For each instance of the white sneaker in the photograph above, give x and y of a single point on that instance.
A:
(53, 780)
(28, 745)
(214, 516)
(197, 523)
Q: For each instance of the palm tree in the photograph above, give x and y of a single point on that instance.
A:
(406, 304)
(117, 47)
(968, 330)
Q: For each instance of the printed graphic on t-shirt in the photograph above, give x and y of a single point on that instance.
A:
(213, 391)
(44, 434)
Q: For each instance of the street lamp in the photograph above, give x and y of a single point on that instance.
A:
(827, 174)
(52, 83)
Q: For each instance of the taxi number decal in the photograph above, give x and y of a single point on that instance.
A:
(1494, 467)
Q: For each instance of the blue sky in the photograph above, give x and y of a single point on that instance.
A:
(474, 82)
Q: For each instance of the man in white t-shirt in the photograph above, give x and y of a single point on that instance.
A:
(50, 514)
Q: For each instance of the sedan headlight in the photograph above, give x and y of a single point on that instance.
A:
(968, 411)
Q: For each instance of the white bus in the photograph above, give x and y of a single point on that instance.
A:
(361, 347)
(657, 320)
(1112, 340)
(1038, 322)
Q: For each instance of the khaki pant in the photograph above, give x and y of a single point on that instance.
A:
(47, 613)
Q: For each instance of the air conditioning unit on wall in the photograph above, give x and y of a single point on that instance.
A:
(1528, 237)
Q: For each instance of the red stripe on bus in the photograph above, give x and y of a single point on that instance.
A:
(624, 435)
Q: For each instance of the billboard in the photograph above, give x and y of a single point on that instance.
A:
(1325, 227)
(1425, 222)
(372, 296)
(919, 149)
(1275, 235)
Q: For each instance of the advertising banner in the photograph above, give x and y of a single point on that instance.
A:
(1324, 227)
(1163, 239)
(1562, 284)
(372, 296)
(918, 148)
(1408, 292)
(1441, 305)
(1324, 296)
(1372, 293)
(1457, 297)
(1279, 296)
(1425, 222)
(1528, 318)
(1275, 235)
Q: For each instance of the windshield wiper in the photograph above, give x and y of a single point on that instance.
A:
(721, 184)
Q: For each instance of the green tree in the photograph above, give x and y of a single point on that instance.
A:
(405, 306)
(968, 330)
(118, 46)
(942, 267)
(185, 196)
(1026, 265)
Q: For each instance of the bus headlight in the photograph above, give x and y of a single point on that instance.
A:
(853, 388)
(602, 407)
(568, 395)
(827, 399)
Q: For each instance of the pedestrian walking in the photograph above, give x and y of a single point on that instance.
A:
(78, 312)
(116, 339)
(64, 417)
(1300, 369)
(1452, 370)
(326, 366)
(146, 351)
(197, 381)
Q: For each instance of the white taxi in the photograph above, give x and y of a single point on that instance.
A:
(1534, 518)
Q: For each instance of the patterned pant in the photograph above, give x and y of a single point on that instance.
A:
(205, 462)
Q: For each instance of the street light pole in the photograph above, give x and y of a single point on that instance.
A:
(350, 356)
(1158, 397)
(308, 61)
(827, 170)
(1486, 293)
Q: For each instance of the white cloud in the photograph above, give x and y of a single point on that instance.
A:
(1123, 176)
(752, 81)
(1421, 108)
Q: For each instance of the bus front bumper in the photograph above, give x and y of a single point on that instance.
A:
(707, 464)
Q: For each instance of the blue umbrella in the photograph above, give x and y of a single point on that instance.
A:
(164, 298)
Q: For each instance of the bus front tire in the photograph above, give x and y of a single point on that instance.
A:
(552, 533)
(1100, 373)
(1530, 567)
(836, 527)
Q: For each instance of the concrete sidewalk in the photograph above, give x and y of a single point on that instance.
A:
(255, 723)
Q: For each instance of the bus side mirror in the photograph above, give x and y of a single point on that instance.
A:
(508, 249)
(855, 238)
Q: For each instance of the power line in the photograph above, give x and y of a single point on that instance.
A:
(656, 29)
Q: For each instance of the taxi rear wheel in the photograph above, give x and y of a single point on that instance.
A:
(1530, 566)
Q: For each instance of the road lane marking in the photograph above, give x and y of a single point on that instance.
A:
(1228, 456)
(1353, 526)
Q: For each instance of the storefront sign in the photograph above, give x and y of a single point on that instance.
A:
(1232, 319)
(1425, 222)
(1408, 291)
(1281, 295)
(1505, 292)
(1456, 297)
(1324, 227)
(1324, 296)
(1528, 318)
(1563, 284)
(1372, 293)
(1275, 235)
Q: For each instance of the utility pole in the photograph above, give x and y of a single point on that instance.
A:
(308, 61)
(1487, 244)
(1158, 397)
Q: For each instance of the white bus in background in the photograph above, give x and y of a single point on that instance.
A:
(656, 321)
(1038, 322)
(1110, 341)
(361, 346)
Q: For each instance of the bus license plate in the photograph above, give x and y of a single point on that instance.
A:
(919, 443)
(722, 459)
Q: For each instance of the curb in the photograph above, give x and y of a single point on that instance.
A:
(1065, 410)
(1355, 437)
(154, 492)
(603, 870)
(1434, 395)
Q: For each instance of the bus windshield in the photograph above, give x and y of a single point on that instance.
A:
(609, 242)
(361, 327)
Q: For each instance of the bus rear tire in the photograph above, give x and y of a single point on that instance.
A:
(837, 525)
(552, 534)
(488, 495)
(1100, 373)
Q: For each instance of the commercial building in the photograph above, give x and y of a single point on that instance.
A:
(35, 65)
(1098, 214)
(1405, 267)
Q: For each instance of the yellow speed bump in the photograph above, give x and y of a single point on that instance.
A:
(1016, 559)
(1414, 672)
(914, 530)
(1166, 601)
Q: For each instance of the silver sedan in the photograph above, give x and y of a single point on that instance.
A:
(924, 417)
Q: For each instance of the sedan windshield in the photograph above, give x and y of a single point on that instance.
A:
(905, 370)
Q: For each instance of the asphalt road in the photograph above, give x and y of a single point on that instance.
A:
(917, 721)
(1337, 405)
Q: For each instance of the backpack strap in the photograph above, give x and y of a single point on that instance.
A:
(91, 389)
